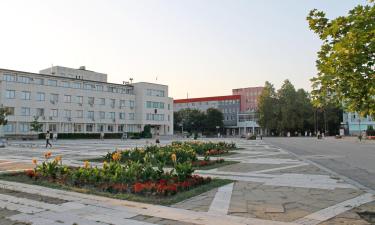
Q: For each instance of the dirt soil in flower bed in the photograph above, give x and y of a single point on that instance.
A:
(213, 165)
(161, 200)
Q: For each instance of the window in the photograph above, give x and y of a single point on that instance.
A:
(161, 105)
(102, 115)
(9, 77)
(131, 104)
(25, 95)
(110, 128)
(65, 84)
(155, 105)
(99, 87)
(10, 94)
(77, 127)
(39, 112)
(152, 92)
(121, 128)
(169, 118)
(89, 128)
(101, 101)
(112, 115)
(52, 82)
(90, 100)
(67, 98)
(10, 111)
(54, 98)
(90, 114)
(89, 86)
(131, 116)
(77, 85)
(53, 113)
(67, 113)
(24, 127)
(40, 96)
(122, 116)
(52, 127)
(23, 79)
(79, 113)
(79, 99)
(39, 81)
(113, 103)
(169, 106)
(148, 104)
(25, 111)
(9, 128)
(122, 103)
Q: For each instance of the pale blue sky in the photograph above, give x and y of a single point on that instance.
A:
(204, 47)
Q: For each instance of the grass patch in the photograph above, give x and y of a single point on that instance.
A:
(165, 200)
(216, 165)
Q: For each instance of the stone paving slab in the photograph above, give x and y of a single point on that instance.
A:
(270, 186)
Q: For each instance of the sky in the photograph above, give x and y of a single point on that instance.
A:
(197, 47)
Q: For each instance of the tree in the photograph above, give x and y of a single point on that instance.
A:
(35, 125)
(190, 119)
(4, 112)
(267, 108)
(288, 118)
(346, 60)
(214, 118)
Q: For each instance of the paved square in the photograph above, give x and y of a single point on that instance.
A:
(270, 186)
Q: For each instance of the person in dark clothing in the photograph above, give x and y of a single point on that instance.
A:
(48, 137)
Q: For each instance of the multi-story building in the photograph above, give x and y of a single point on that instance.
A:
(249, 98)
(229, 105)
(239, 109)
(67, 100)
(354, 124)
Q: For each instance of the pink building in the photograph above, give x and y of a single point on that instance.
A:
(249, 97)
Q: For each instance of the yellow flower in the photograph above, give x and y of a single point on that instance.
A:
(34, 161)
(174, 157)
(116, 156)
(86, 164)
(105, 164)
(47, 155)
(58, 158)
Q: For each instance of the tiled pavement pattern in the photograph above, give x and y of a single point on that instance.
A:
(270, 185)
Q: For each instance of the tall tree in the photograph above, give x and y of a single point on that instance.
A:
(267, 108)
(346, 60)
(214, 118)
(288, 110)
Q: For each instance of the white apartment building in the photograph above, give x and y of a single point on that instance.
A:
(67, 100)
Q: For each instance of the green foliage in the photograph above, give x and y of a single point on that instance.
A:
(4, 112)
(184, 170)
(370, 131)
(35, 125)
(290, 110)
(146, 133)
(193, 120)
(346, 60)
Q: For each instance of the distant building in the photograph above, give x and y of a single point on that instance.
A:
(249, 97)
(229, 105)
(236, 121)
(354, 124)
(70, 100)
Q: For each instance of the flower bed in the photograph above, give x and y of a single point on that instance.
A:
(201, 148)
(132, 177)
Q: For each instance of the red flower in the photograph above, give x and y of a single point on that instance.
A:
(172, 188)
(138, 187)
(120, 187)
(30, 173)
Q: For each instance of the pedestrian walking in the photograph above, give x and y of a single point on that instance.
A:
(48, 137)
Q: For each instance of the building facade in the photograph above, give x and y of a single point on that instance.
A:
(229, 105)
(249, 98)
(67, 100)
(354, 124)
